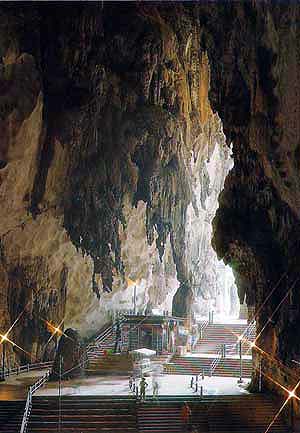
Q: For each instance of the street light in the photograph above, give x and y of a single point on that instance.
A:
(241, 367)
(2, 379)
(134, 300)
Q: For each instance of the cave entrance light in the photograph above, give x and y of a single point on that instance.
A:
(213, 282)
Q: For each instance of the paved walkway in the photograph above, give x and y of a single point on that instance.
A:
(168, 385)
(16, 387)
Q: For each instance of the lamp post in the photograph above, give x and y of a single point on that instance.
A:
(241, 366)
(134, 300)
(59, 393)
(3, 362)
(260, 375)
(292, 406)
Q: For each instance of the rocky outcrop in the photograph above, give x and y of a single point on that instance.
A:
(256, 227)
(69, 357)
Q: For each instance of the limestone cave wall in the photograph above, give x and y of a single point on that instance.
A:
(102, 108)
(255, 89)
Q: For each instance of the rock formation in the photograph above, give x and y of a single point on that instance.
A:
(103, 109)
(69, 356)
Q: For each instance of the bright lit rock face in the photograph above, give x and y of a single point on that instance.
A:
(105, 127)
(212, 282)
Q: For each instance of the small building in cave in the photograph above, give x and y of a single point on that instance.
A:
(159, 333)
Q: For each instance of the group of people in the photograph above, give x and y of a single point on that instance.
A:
(140, 390)
(194, 383)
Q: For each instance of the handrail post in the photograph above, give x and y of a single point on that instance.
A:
(59, 395)
(241, 367)
(3, 361)
(260, 376)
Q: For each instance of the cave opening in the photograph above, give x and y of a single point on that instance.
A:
(212, 281)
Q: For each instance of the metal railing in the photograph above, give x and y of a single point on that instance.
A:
(216, 361)
(250, 330)
(28, 405)
(103, 336)
(203, 325)
(26, 368)
(82, 362)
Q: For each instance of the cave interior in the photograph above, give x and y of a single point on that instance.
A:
(149, 158)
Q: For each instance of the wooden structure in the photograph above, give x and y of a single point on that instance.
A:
(157, 333)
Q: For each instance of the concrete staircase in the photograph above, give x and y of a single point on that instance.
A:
(161, 359)
(216, 334)
(222, 414)
(119, 363)
(250, 413)
(83, 414)
(227, 367)
(164, 416)
(97, 363)
(244, 414)
(97, 350)
(159, 418)
(11, 415)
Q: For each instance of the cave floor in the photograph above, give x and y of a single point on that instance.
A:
(168, 385)
(16, 387)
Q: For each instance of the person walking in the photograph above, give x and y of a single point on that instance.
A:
(192, 382)
(131, 383)
(155, 388)
(117, 347)
(186, 414)
(143, 386)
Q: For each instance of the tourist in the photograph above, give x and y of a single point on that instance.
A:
(117, 347)
(143, 386)
(186, 416)
(155, 387)
(131, 383)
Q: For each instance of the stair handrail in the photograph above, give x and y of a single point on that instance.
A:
(32, 389)
(103, 335)
(203, 325)
(216, 361)
(137, 325)
(249, 330)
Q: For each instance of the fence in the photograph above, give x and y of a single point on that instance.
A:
(26, 368)
(28, 405)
